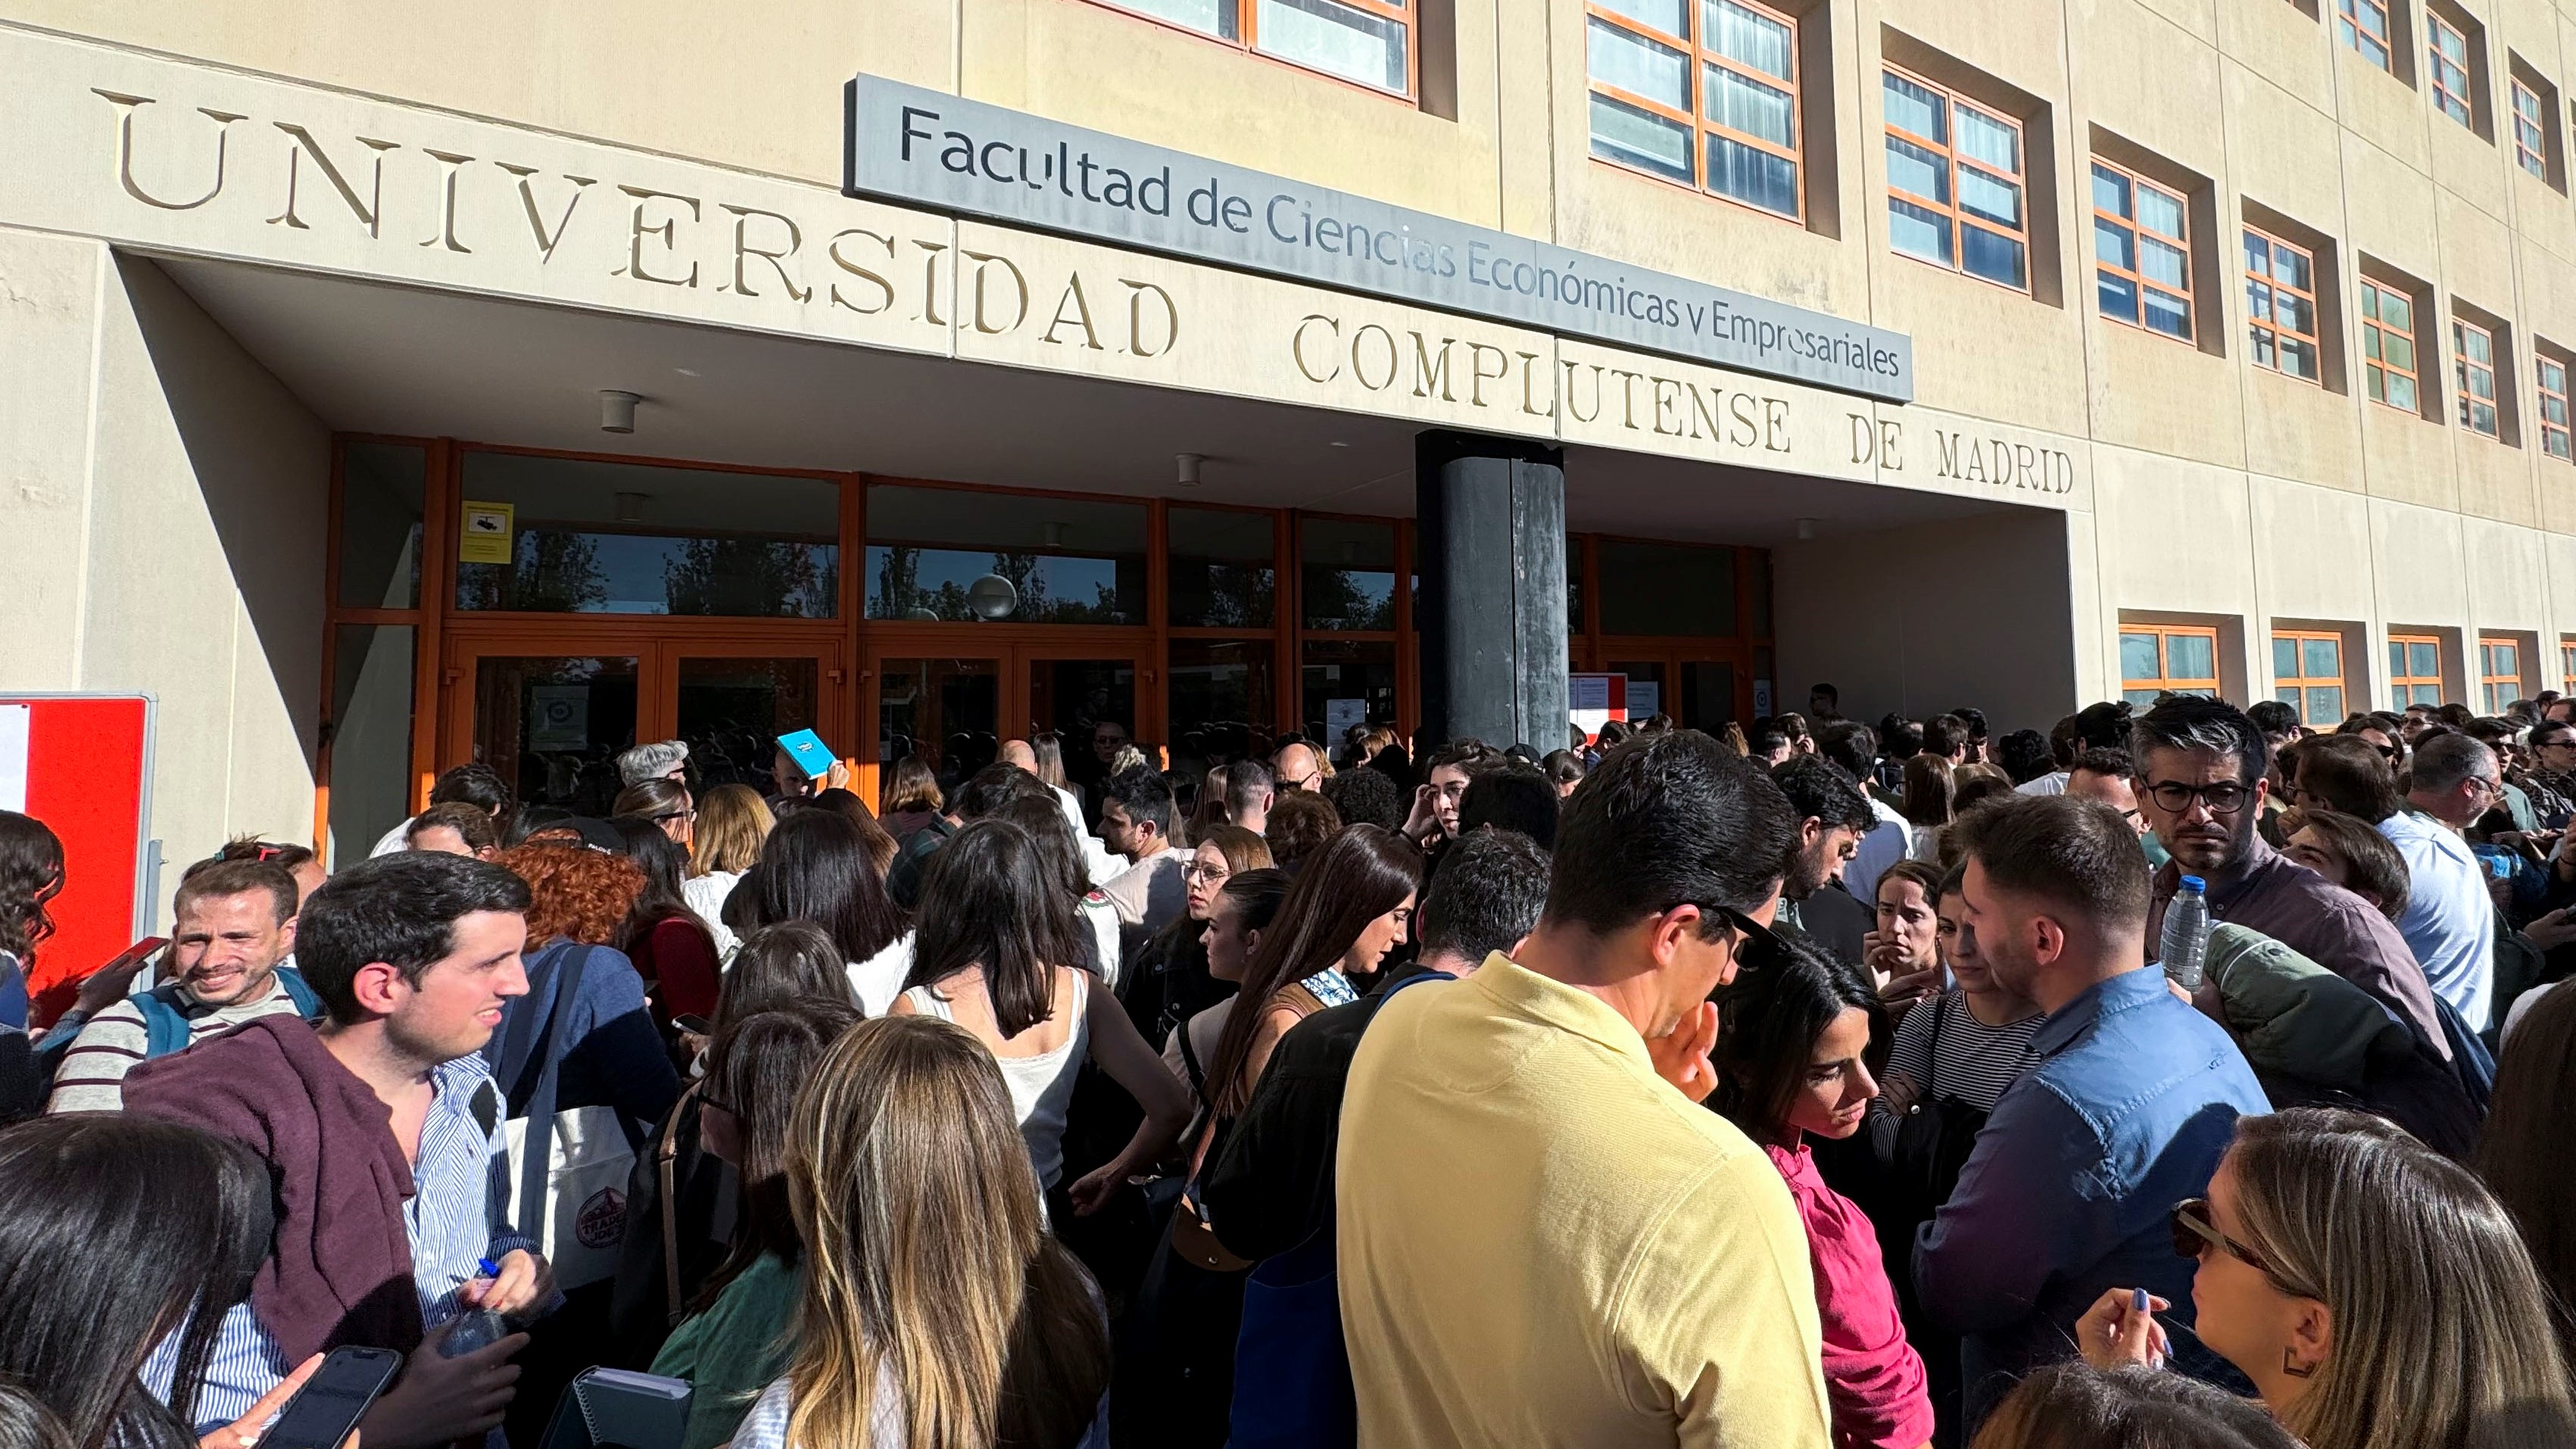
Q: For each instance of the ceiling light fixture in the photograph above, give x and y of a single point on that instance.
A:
(1189, 467)
(1806, 528)
(617, 411)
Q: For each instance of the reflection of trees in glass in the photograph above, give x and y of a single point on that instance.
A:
(1228, 595)
(896, 590)
(747, 577)
(1349, 599)
(549, 571)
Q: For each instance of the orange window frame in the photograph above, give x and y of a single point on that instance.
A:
(1247, 38)
(2302, 681)
(2402, 682)
(2549, 379)
(2567, 666)
(2530, 130)
(1960, 220)
(2372, 322)
(2165, 678)
(1702, 126)
(2137, 228)
(2466, 370)
(2270, 281)
(2496, 690)
(2362, 38)
(2449, 97)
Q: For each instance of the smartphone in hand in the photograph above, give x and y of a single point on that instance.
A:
(327, 1409)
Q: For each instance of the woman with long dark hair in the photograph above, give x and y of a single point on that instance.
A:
(1348, 907)
(817, 867)
(671, 948)
(1060, 856)
(31, 875)
(991, 954)
(1794, 1036)
(123, 1243)
(2522, 1152)
(665, 803)
(739, 1329)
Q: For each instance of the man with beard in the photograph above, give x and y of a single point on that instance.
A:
(1833, 816)
(235, 925)
(2126, 1111)
(2201, 784)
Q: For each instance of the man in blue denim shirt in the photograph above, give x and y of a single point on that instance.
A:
(2134, 1098)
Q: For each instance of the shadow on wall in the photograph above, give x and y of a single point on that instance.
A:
(1974, 611)
(263, 463)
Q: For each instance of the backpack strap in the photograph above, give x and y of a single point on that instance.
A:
(536, 1160)
(307, 1004)
(165, 1025)
(665, 1167)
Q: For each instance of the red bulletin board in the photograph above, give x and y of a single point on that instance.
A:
(83, 766)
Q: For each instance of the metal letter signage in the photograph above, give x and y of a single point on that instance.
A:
(907, 144)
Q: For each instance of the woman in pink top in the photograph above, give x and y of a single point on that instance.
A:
(1796, 1025)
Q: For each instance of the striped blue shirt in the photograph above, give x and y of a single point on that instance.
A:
(457, 1213)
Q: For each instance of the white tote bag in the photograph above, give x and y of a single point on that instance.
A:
(583, 1223)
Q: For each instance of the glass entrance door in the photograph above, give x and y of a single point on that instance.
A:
(730, 710)
(947, 710)
(552, 725)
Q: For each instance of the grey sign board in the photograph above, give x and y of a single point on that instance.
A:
(931, 149)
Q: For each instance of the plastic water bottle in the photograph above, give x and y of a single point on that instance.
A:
(2186, 938)
(476, 1328)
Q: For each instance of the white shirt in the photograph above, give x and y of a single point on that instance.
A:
(2450, 919)
(879, 979)
(1888, 841)
(2053, 783)
(706, 896)
(1099, 860)
(395, 840)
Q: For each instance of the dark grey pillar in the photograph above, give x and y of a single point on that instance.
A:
(1490, 520)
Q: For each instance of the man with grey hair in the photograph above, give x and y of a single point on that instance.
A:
(2455, 780)
(660, 760)
(2201, 784)
(2449, 921)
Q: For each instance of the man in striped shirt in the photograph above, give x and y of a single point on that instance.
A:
(236, 925)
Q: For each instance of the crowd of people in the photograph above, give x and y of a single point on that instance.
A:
(1817, 1083)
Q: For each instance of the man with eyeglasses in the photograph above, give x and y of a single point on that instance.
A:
(2449, 921)
(2550, 778)
(2455, 780)
(2127, 1109)
(2195, 758)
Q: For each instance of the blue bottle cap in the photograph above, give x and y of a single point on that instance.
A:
(2194, 883)
(487, 1267)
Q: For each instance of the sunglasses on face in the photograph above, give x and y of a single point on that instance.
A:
(2195, 1232)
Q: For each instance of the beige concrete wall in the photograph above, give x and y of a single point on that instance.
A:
(164, 508)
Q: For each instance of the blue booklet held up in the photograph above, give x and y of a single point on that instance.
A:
(809, 752)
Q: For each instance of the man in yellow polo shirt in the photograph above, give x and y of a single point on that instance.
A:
(1544, 1239)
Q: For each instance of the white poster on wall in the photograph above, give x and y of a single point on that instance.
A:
(13, 756)
(1340, 715)
(558, 716)
(1645, 697)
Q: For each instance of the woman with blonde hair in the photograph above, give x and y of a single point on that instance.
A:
(733, 824)
(2373, 1290)
(937, 1312)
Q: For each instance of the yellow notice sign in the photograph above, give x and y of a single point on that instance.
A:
(486, 532)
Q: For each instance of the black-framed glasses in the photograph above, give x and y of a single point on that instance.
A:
(2195, 1232)
(2223, 797)
(2555, 742)
(1193, 870)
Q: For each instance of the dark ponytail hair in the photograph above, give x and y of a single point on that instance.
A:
(31, 875)
(1786, 993)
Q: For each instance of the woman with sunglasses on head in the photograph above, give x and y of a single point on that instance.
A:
(2374, 1291)
(1794, 1034)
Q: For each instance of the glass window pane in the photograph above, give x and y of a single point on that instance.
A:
(1642, 139)
(1750, 174)
(1356, 45)
(1915, 108)
(2396, 659)
(2290, 267)
(1639, 66)
(2323, 658)
(1072, 698)
(732, 710)
(1672, 17)
(1707, 696)
(2401, 393)
(2164, 263)
(2258, 300)
(2397, 310)
(370, 736)
(2285, 658)
(2398, 352)
(967, 557)
(2138, 658)
(1914, 170)
(2427, 694)
(2142, 698)
(2480, 344)
(553, 726)
(1222, 692)
(1747, 36)
(1757, 564)
(1984, 139)
(1221, 18)
(1983, 195)
(2423, 660)
(2113, 246)
(1918, 231)
(2189, 656)
(1664, 588)
(948, 712)
(2110, 191)
(2325, 706)
(2160, 212)
(1346, 573)
(380, 503)
(596, 537)
(2299, 359)
(2119, 296)
(2258, 255)
(1331, 669)
(1749, 106)
(1995, 258)
(1222, 573)
(2168, 314)
(2266, 351)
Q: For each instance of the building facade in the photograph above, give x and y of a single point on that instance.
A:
(2236, 333)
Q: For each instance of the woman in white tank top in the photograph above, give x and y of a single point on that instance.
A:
(990, 932)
